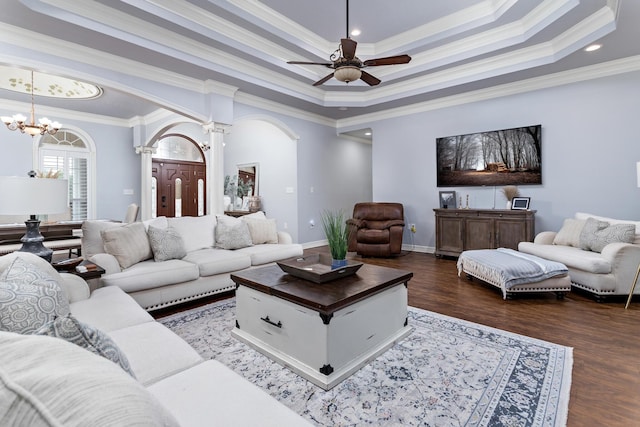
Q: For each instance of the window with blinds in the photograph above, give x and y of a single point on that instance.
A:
(67, 152)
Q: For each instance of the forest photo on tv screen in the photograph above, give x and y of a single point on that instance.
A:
(500, 157)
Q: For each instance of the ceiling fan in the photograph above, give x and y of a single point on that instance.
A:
(348, 67)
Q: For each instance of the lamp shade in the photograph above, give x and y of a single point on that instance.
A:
(33, 196)
(347, 74)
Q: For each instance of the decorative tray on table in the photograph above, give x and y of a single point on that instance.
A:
(317, 268)
(67, 264)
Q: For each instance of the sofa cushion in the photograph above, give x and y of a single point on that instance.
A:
(218, 261)
(150, 274)
(569, 234)
(154, 352)
(129, 244)
(166, 243)
(591, 262)
(158, 222)
(92, 238)
(29, 298)
(83, 335)
(56, 383)
(264, 254)
(597, 234)
(109, 309)
(197, 232)
(232, 233)
(188, 396)
(262, 230)
(584, 216)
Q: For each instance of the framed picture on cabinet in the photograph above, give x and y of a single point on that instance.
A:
(520, 203)
(447, 200)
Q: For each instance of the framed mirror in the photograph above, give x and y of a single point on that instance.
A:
(249, 179)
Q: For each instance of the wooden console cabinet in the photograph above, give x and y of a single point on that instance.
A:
(459, 230)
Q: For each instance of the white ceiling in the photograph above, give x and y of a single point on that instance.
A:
(456, 46)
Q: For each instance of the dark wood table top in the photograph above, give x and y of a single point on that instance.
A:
(325, 298)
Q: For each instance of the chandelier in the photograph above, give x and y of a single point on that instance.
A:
(18, 121)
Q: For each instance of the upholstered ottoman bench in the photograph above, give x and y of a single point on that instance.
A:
(515, 272)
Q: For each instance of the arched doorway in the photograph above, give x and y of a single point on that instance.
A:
(178, 177)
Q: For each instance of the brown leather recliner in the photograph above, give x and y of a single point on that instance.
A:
(376, 229)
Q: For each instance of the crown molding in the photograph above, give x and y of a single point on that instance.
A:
(60, 114)
(265, 104)
(607, 69)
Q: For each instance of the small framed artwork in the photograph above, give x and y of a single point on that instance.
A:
(447, 200)
(520, 203)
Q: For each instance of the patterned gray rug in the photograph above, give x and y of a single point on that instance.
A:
(447, 372)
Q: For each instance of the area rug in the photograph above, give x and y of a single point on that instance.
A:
(447, 372)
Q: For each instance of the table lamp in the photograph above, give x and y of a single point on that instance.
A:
(33, 196)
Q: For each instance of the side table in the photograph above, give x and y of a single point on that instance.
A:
(93, 272)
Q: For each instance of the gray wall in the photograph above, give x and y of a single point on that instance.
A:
(330, 172)
(117, 164)
(589, 149)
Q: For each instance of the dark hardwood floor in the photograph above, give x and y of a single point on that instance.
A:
(605, 388)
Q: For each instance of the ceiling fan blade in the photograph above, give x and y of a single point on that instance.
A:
(326, 64)
(369, 79)
(348, 48)
(324, 79)
(390, 60)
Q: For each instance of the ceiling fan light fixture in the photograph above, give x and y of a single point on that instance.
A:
(347, 73)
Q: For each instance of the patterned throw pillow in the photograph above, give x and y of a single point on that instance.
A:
(128, 244)
(166, 243)
(597, 234)
(29, 298)
(70, 329)
(232, 235)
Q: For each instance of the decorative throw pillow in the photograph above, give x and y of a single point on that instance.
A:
(166, 243)
(61, 384)
(197, 232)
(29, 298)
(129, 244)
(598, 234)
(70, 329)
(262, 230)
(255, 215)
(569, 234)
(232, 235)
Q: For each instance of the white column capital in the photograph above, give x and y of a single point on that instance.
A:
(213, 127)
(145, 149)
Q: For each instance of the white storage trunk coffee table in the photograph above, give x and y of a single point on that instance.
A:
(323, 332)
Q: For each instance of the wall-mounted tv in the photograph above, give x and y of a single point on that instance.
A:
(499, 157)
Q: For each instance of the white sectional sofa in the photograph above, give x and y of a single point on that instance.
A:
(602, 254)
(46, 381)
(213, 248)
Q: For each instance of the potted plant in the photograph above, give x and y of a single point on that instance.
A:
(335, 228)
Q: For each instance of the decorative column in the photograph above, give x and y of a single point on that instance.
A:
(215, 166)
(145, 180)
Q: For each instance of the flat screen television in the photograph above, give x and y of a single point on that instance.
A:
(499, 157)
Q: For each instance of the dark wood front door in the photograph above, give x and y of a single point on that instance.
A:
(177, 187)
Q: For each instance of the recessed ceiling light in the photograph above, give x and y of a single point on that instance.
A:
(592, 48)
(367, 134)
(355, 32)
